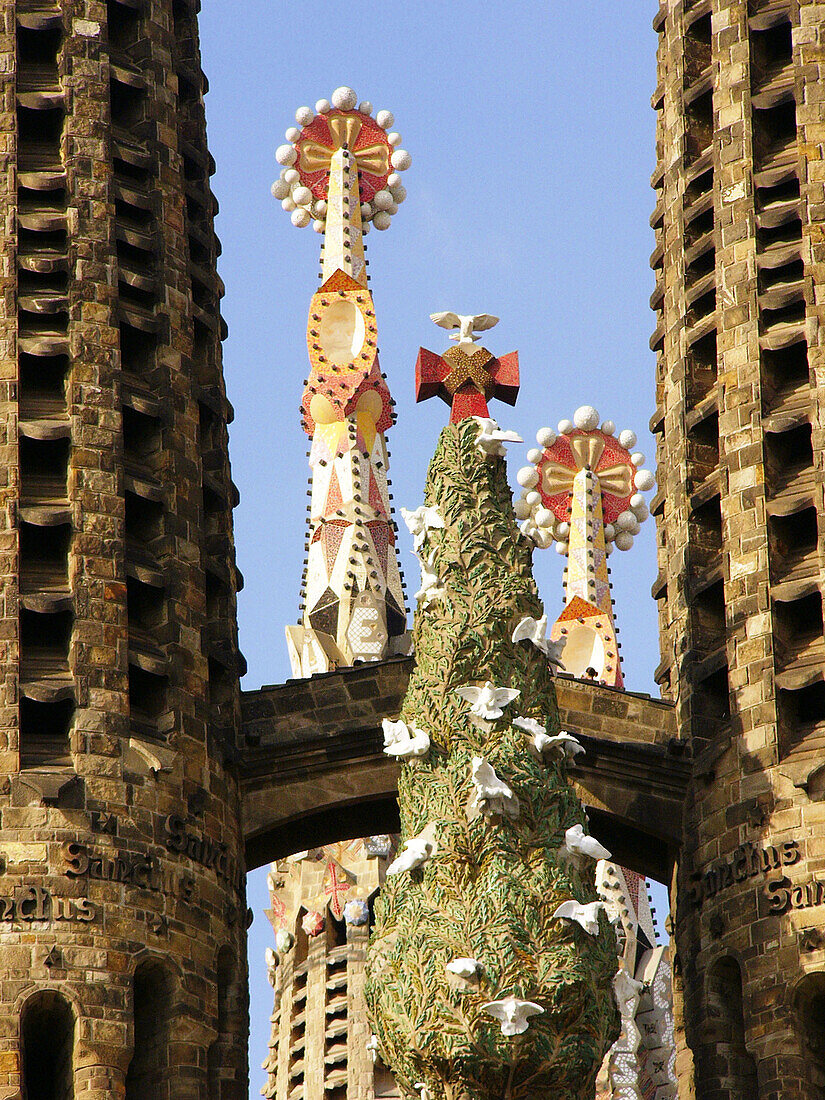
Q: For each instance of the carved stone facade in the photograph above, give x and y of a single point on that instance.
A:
(122, 905)
(739, 341)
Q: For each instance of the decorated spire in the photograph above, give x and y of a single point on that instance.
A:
(584, 489)
(341, 175)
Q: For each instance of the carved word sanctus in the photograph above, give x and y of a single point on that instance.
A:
(36, 903)
(208, 853)
(746, 861)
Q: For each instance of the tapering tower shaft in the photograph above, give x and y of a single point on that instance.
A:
(739, 344)
(338, 168)
(120, 696)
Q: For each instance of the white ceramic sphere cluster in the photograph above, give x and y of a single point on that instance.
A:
(541, 525)
(298, 201)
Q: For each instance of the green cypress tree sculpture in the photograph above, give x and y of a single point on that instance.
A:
(476, 990)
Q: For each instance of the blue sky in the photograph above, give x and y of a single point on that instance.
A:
(532, 140)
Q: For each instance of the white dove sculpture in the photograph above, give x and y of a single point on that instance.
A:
(271, 963)
(535, 630)
(404, 742)
(581, 847)
(467, 325)
(372, 1048)
(561, 742)
(432, 587)
(464, 968)
(487, 701)
(417, 850)
(491, 439)
(512, 1013)
(585, 915)
(425, 518)
(423, 1092)
(492, 795)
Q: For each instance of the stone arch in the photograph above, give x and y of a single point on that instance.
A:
(725, 1068)
(47, 1040)
(154, 987)
(809, 1010)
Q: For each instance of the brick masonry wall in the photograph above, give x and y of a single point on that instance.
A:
(124, 847)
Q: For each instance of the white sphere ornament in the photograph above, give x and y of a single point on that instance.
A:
(636, 501)
(609, 532)
(626, 521)
(401, 160)
(521, 508)
(533, 499)
(393, 180)
(385, 119)
(304, 115)
(280, 189)
(399, 192)
(366, 211)
(565, 426)
(392, 208)
(292, 134)
(365, 228)
(624, 540)
(608, 427)
(344, 98)
(286, 155)
(365, 107)
(641, 512)
(300, 218)
(627, 438)
(533, 455)
(301, 195)
(319, 225)
(319, 208)
(637, 458)
(291, 175)
(609, 549)
(288, 204)
(545, 437)
(382, 200)
(586, 418)
(527, 476)
(382, 220)
(394, 138)
(544, 517)
(323, 106)
(562, 547)
(644, 479)
(563, 530)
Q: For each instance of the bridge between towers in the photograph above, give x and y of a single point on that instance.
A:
(313, 771)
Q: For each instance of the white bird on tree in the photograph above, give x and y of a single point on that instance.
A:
(487, 701)
(535, 630)
(492, 795)
(403, 741)
(512, 1013)
(579, 847)
(417, 850)
(425, 518)
(585, 915)
(467, 325)
(561, 742)
(491, 439)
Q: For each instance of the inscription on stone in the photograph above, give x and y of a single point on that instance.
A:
(36, 903)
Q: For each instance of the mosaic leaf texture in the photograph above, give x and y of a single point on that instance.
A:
(489, 891)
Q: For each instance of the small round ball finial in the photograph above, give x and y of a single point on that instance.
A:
(304, 115)
(344, 98)
(385, 119)
(323, 107)
(286, 155)
(586, 418)
(382, 220)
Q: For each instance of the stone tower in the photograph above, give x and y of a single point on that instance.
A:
(122, 906)
(739, 223)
